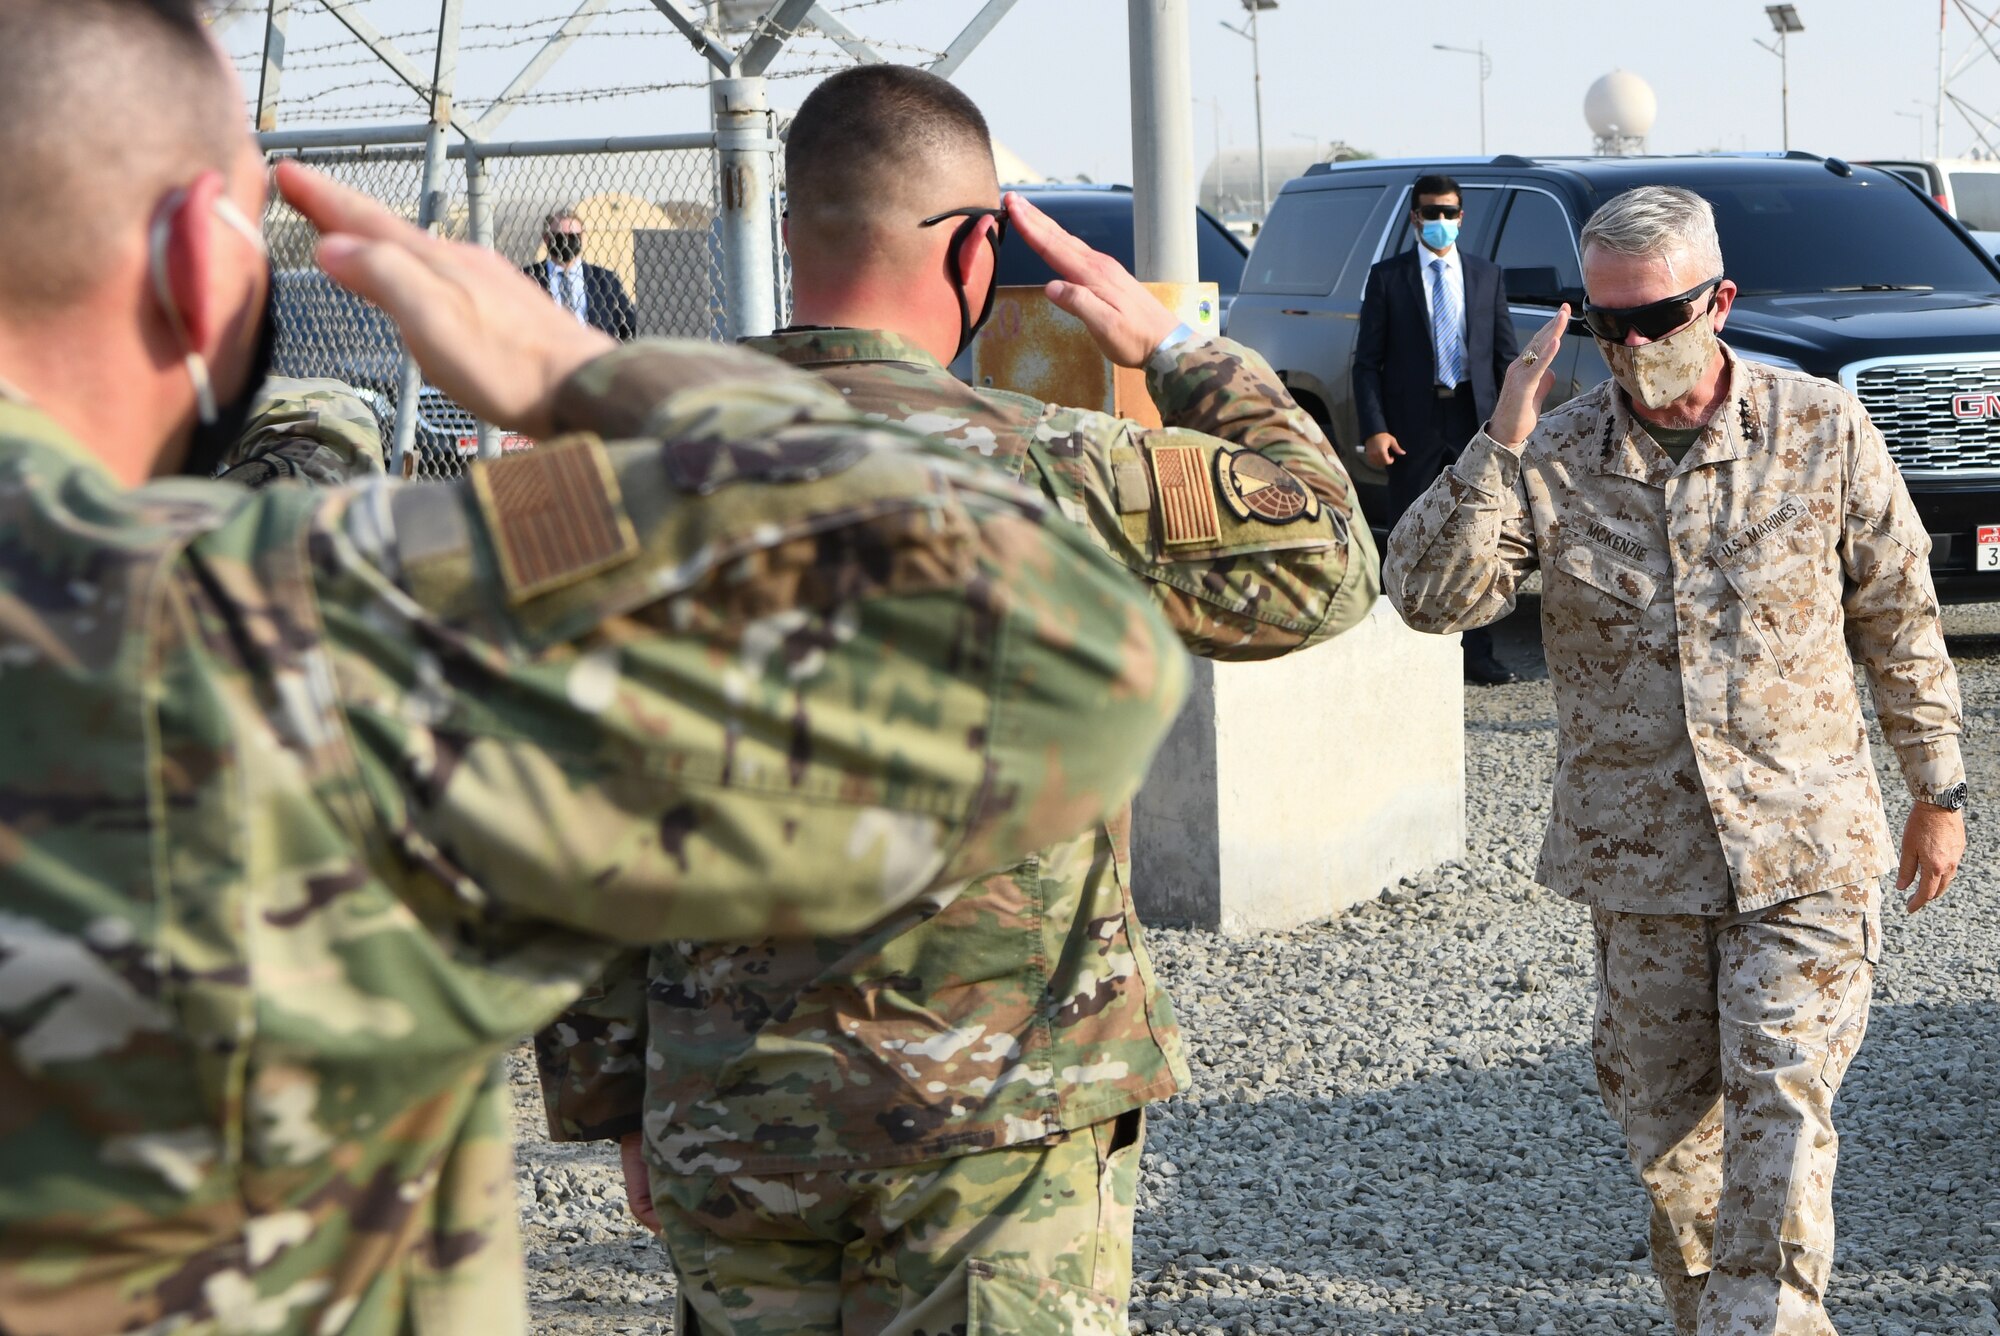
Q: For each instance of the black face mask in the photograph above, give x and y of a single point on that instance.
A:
(968, 328)
(213, 441)
(564, 246)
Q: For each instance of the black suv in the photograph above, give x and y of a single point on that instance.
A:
(1846, 272)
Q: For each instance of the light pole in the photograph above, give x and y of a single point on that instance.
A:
(1249, 33)
(1485, 73)
(1785, 22)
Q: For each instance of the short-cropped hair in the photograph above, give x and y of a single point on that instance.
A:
(1434, 184)
(1667, 221)
(104, 104)
(868, 129)
(557, 217)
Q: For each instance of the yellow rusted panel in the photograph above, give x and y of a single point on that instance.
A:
(1034, 348)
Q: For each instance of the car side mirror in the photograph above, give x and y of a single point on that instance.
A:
(1540, 285)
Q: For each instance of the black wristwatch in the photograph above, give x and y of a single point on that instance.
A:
(1951, 799)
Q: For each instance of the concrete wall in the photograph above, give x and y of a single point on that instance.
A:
(1291, 790)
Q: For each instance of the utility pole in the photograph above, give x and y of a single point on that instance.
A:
(1163, 181)
(1937, 135)
(1785, 22)
(1485, 73)
(1249, 33)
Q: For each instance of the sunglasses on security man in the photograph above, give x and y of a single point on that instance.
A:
(1654, 320)
(1430, 213)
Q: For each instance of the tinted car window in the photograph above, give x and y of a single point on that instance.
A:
(1219, 255)
(1105, 223)
(1536, 235)
(1843, 235)
(1306, 242)
(1977, 198)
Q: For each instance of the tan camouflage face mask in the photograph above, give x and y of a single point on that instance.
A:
(1657, 373)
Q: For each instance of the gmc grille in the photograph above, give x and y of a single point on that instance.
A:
(1941, 416)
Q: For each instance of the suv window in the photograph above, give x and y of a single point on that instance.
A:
(1976, 196)
(1307, 240)
(1104, 223)
(1482, 211)
(1536, 235)
(1842, 236)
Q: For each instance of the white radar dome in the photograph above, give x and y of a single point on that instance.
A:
(1620, 104)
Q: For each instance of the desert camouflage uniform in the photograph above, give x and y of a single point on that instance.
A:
(1024, 1010)
(316, 431)
(314, 803)
(1715, 802)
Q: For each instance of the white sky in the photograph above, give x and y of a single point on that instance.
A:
(1053, 77)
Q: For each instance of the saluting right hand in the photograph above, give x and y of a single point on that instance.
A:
(1530, 377)
(483, 332)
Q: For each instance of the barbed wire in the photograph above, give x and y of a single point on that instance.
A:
(808, 53)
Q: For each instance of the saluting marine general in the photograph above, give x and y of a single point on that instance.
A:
(936, 1125)
(1714, 536)
(316, 801)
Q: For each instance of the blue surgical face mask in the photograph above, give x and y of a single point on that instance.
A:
(1439, 233)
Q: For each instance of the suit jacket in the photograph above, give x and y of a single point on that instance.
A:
(607, 305)
(1395, 366)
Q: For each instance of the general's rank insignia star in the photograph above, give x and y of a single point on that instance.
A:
(1254, 488)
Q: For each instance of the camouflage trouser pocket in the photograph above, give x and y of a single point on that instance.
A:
(1002, 1302)
(1850, 1021)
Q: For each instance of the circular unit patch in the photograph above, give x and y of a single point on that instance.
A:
(1254, 488)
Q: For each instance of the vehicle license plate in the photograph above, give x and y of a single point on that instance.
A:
(1987, 555)
(469, 445)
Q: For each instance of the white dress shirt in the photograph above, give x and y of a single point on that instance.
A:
(579, 300)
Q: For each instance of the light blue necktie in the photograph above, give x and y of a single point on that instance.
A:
(1446, 337)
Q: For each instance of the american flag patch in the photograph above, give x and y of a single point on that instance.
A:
(556, 515)
(1187, 503)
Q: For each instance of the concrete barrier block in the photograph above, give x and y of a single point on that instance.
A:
(1290, 790)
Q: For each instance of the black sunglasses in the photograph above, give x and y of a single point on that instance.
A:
(1433, 212)
(1654, 320)
(974, 212)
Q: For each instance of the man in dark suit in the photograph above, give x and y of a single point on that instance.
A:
(1434, 344)
(595, 294)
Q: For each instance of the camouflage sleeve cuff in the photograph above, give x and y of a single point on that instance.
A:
(1488, 467)
(1179, 390)
(1931, 767)
(619, 395)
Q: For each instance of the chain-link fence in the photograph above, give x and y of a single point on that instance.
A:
(651, 260)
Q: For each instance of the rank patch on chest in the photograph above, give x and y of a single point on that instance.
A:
(555, 514)
(1254, 488)
(1187, 504)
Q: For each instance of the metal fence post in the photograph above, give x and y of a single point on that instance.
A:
(479, 210)
(746, 165)
(430, 210)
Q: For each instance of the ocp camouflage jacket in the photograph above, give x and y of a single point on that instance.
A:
(1025, 1005)
(1698, 622)
(314, 803)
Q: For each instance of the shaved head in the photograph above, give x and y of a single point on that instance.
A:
(874, 151)
(105, 105)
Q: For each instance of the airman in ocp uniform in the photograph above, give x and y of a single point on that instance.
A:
(936, 1125)
(1713, 537)
(319, 431)
(317, 801)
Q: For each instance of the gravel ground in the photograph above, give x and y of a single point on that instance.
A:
(1394, 1126)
